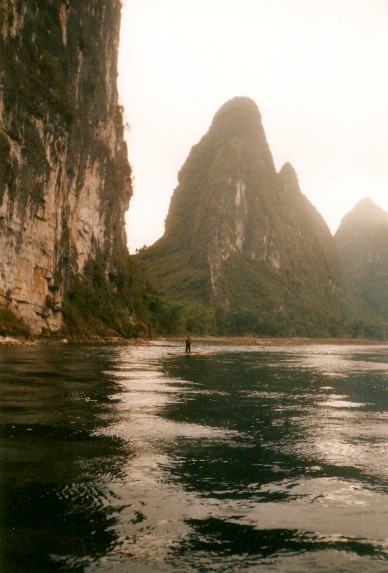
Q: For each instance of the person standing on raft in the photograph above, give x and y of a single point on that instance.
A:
(188, 344)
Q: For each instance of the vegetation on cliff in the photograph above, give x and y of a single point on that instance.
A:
(11, 324)
(105, 305)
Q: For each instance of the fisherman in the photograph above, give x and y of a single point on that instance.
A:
(188, 344)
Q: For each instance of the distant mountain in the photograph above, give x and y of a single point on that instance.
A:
(362, 241)
(242, 238)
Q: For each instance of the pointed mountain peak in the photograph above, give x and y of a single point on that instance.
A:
(288, 171)
(289, 178)
(240, 237)
(368, 207)
(366, 214)
(238, 117)
(239, 106)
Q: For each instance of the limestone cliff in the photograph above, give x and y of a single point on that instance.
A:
(242, 237)
(65, 182)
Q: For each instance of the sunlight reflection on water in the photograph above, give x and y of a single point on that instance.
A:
(244, 459)
(315, 498)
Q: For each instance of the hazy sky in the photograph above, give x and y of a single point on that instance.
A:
(317, 69)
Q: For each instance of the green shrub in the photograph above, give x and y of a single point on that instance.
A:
(11, 324)
(102, 305)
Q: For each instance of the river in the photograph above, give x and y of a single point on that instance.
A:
(239, 459)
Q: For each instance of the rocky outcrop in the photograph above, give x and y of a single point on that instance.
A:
(65, 182)
(241, 236)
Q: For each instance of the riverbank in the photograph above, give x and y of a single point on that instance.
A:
(269, 341)
(235, 340)
(94, 340)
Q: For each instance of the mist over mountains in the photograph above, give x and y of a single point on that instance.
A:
(362, 241)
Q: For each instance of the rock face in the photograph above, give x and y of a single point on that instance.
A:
(242, 236)
(362, 240)
(65, 182)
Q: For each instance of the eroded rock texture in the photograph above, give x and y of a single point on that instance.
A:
(65, 182)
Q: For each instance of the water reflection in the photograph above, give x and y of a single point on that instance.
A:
(131, 459)
(283, 417)
(57, 463)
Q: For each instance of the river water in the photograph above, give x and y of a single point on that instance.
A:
(244, 459)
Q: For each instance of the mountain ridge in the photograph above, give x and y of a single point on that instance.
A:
(231, 216)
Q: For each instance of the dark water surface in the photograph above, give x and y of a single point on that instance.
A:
(130, 459)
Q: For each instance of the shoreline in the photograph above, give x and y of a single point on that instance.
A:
(89, 340)
(235, 340)
(274, 341)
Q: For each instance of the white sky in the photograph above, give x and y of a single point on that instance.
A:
(317, 69)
